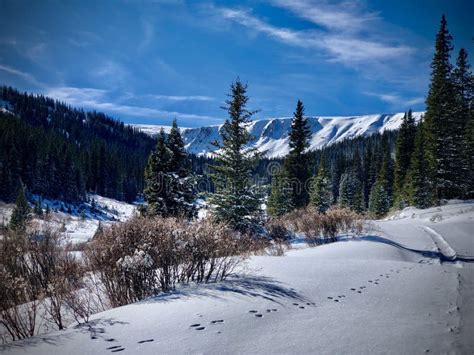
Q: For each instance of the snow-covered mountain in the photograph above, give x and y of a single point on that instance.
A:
(271, 135)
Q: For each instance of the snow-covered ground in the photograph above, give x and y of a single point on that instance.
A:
(79, 222)
(385, 292)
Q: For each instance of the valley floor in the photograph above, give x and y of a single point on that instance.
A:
(390, 291)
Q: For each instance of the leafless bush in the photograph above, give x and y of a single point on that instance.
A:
(87, 300)
(321, 227)
(144, 256)
(36, 273)
(279, 235)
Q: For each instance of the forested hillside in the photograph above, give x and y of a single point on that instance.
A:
(61, 152)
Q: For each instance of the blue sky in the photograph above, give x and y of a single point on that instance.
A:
(151, 61)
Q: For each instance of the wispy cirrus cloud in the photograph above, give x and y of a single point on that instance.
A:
(347, 16)
(98, 99)
(342, 36)
(397, 100)
(181, 98)
(83, 39)
(23, 75)
(148, 33)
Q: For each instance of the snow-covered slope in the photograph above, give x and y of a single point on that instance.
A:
(78, 222)
(271, 135)
(386, 292)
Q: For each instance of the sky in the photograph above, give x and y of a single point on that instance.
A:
(150, 61)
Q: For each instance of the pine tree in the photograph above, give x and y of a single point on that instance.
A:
(378, 200)
(157, 179)
(440, 123)
(296, 164)
(346, 190)
(464, 89)
(386, 173)
(279, 201)
(359, 202)
(470, 151)
(419, 182)
(237, 200)
(21, 213)
(181, 190)
(358, 199)
(38, 208)
(404, 150)
(321, 194)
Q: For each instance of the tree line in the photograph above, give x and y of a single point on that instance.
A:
(63, 153)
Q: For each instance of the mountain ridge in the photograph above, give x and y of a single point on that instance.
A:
(271, 135)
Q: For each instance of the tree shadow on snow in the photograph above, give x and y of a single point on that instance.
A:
(425, 253)
(244, 285)
(96, 329)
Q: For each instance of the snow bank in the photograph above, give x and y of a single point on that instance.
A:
(385, 292)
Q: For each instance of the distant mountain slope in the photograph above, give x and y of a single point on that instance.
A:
(271, 135)
(64, 153)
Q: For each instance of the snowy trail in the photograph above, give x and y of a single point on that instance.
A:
(386, 292)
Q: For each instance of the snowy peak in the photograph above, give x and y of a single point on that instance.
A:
(271, 135)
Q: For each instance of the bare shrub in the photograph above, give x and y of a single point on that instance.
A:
(144, 256)
(322, 227)
(87, 300)
(120, 256)
(279, 235)
(35, 274)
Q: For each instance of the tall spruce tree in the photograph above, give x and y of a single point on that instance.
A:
(419, 182)
(386, 172)
(181, 202)
(279, 201)
(440, 118)
(470, 152)
(378, 200)
(464, 93)
(346, 190)
(321, 190)
(22, 212)
(158, 179)
(296, 164)
(358, 198)
(403, 152)
(237, 200)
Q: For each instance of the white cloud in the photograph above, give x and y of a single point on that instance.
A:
(24, 75)
(338, 45)
(397, 100)
(97, 99)
(181, 98)
(148, 34)
(346, 16)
